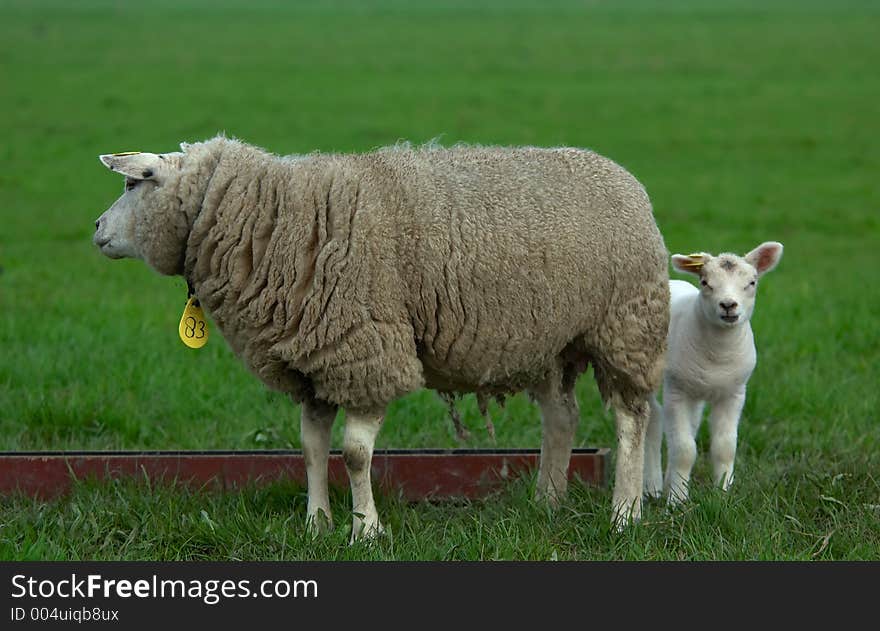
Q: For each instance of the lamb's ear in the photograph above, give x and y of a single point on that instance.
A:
(765, 257)
(136, 164)
(689, 263)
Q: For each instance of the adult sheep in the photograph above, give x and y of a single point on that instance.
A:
(351, 280)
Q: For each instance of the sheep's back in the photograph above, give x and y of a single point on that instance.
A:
(359, 278)
(511, 255)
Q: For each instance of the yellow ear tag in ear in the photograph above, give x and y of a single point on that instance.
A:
(695, 263)
(193, 328)
(125, 153)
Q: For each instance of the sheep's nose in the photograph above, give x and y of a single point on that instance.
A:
(97, 223)
(728, 305)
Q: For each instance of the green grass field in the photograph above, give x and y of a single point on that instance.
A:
(746, 121)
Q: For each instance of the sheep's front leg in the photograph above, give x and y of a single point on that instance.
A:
(316, 421)
(559, 417)
(361, 430)
(723, 424)
(681, 418)
(653, 445)
(629, 471)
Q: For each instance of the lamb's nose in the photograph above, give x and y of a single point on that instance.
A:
(97, 223)
(728, 305)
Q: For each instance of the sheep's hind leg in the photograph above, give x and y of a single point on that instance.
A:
(723, 423)
(559, 416)
(629, 471)
(653, 448)
(357, 451)
(316, 421)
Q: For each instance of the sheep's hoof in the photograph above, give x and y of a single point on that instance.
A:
(550, 492)
(319, 523)
(626, 514)
(365, 530)
(549, 498)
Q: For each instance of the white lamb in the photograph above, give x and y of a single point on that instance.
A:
(711, 355)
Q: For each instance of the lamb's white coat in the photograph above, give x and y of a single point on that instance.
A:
(710, 358)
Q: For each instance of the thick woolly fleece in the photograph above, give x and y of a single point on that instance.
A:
(355, 279)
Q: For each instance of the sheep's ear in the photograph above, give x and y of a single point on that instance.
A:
(689, 263)
(135, 164)
(765, 257)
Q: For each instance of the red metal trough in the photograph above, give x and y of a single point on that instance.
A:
(418, 474)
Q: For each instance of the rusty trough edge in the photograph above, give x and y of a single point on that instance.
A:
(418, 474)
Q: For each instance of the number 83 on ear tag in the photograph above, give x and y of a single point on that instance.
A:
(193, 328)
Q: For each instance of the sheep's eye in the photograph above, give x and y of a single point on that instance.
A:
(753, 283)
(130, 184)
(704, 283)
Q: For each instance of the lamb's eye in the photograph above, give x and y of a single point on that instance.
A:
(130, 184)
(704, 283)
(753, 283)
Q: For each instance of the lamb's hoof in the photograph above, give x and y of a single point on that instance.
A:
(725, 482)
(676, 498)
(653, 491)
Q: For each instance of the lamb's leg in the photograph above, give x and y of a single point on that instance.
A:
(629, 472)
(559, 417)
(653, 445)
(357, 452)
(723, 423)
(316, 420)
(681, 420)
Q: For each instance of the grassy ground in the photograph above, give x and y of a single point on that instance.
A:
(746, 121)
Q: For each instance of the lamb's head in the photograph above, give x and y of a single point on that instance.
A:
(728, 282)
(148, 221)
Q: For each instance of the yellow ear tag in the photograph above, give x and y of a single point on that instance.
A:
(125, 153)
(193, 328)
(696, 261)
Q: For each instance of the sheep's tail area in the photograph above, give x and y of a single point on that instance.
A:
(630, 349)
(461, 431)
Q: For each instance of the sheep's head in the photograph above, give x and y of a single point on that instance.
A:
(728, 282)
(141, 223)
